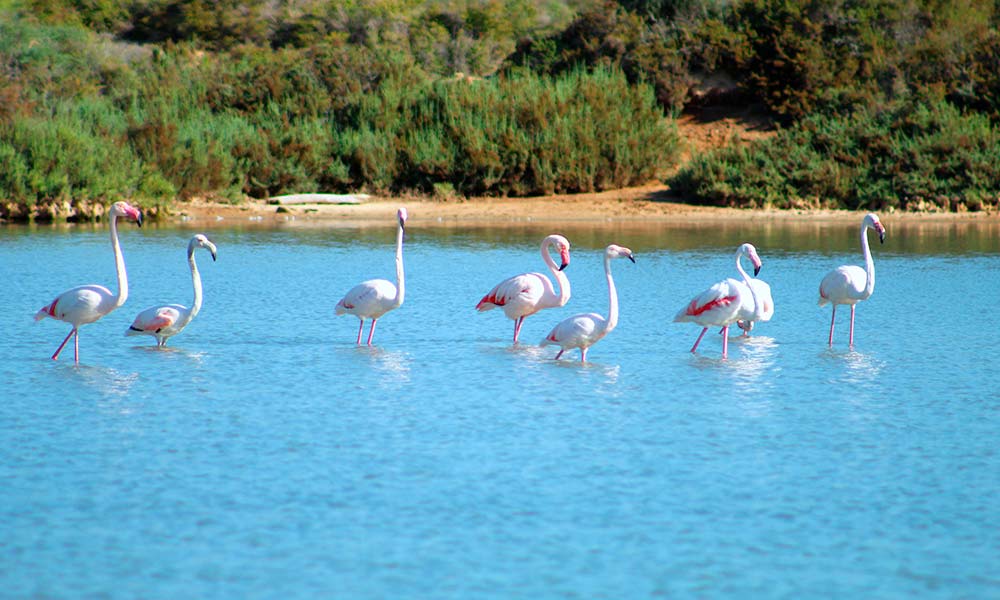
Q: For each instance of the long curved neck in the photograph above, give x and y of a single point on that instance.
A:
(869, 262)
(758, 308)
(612, 296)
(196, 284)
(122, 295)
(561, 279)
(400, 279)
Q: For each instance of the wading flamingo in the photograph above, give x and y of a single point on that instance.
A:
(168, 320)
(523, 295)
(88, 303)
(719, 305)
(375, 297)
(761, 312)
(850, 284)
(584, 330)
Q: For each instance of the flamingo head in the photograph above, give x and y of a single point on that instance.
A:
(614, 251)
(871, 220)
(562, 244)
(748, 250)
(124, 209)
(201, 241)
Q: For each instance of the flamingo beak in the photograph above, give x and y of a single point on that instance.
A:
(881, 234)
(564, 255)
(138, 218)
(756, 270)
(213, 254)
(631, 257)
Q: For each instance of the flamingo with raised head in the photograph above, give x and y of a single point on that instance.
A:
(88, 303)
(586, 329)
(850, 284)
(523, 295)
(373, 298)
(719, 305)
(760, 312)
(168, 320)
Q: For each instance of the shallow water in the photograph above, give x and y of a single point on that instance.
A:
(263, 455)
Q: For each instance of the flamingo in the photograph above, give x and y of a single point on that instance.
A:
(375, 297)
(168, 320)
(850, 284)
(88, 303)
(719, 305)
(586, 329)
(749, 314)
(523, 295)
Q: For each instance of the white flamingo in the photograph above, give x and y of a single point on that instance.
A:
(584, 330)
(88, 303)
(719, 305)
(850, 284)
(523, 295)
(760, 312)
(373, 298)
(168, 320)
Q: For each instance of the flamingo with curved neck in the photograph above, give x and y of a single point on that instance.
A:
(165, 321)
(373, 298)
(586, 329)
(850, 284)
(88, 303)
(523, 295)
(719, 305)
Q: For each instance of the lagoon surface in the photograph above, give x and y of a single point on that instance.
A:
(263, 455)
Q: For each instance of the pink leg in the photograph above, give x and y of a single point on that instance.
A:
(852, 325)
(371, 332)
(833, 320)
(725, 341)
(361, 328)
(698, 341)
(59, 349)
(76, 347)
(560, 353)
(583, 355)
(517, 328)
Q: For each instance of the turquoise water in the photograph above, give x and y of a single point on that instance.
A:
(263, 455)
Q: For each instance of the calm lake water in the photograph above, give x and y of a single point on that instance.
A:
(264, 455)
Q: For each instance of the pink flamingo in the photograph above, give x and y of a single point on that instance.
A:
(761, 312)
(375, 297)
(719, 305)
(584, 330)
(523, 295)
(168, 320)
(88, 303)
(850, 284)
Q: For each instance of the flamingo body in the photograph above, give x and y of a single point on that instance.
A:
(586, 329)
(747, 317)
(373, 298)
(850, 284)
(166, 321)
(523, 295)
(86, 304)
(720, 305)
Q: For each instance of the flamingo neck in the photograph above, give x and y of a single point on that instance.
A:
(122, 295)
(196, 284)
(400, 276)
(564, 289)
(869, 263)
(612, 297)
(758, 308)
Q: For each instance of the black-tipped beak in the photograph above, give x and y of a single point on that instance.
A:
(756, 270)
(631, 257)
(563, 266)
(213, 255)
(138, 219)
(881, 236)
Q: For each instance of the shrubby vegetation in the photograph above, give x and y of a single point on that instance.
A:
(878, 103)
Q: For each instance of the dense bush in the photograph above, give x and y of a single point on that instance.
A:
(912, 156)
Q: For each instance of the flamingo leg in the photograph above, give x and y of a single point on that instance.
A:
(853, 306)
(76, 346)
(371, 332)
(833, 320)
(361, 327)
(66, 339)
(583, 355)
(698, 341)
(517, 327)
(560, 353)
(725, 342)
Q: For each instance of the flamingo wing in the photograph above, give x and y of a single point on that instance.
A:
(79, 305)
(518, 295)
(843, 285)
(153, 320)
(369, 299)
(576, 331)
(715, 306)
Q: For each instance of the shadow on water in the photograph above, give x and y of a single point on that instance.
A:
(108, 382)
